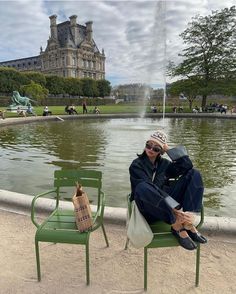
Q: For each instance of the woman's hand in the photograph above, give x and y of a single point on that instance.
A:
(165, 147)
(184, 217)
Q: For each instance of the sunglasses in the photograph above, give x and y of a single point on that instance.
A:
(155, 148)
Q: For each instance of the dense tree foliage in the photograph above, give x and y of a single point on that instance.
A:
(55, 84)
(73, 86)
(188, 87)
(36, 77)
(35, 92)
(210, 53)
(11, 80)
(225, 86)
(89, 87)
(104, 88)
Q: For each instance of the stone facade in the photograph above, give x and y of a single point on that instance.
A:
(70, 52)
(24, 64)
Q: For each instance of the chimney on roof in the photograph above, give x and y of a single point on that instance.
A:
(53, 26)
(73, 26)
(89, 30)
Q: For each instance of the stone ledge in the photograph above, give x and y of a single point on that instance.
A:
(21, 203)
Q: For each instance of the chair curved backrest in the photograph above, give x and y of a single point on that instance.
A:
(88, 179)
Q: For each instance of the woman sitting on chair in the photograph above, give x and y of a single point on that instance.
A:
(158, 197)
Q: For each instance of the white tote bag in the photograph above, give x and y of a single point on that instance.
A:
(139, 231)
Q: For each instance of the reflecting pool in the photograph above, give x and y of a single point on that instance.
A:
(30, 154)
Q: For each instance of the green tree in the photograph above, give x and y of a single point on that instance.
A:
(36, 77)
(55, 84)
(189, 87)
(73, 86)
(89, 87)
(104, 88)
(11, 80)
(210, 50)
(34, 91)
(225, 87)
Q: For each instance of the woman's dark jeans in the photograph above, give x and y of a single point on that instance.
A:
(187, 191)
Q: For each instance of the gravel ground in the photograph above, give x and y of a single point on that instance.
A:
(113, 270)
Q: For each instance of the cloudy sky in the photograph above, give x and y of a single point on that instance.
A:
(139, 37)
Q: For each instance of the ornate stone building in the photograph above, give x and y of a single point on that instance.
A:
(70, 52)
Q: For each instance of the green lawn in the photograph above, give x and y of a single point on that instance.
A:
(104, 109)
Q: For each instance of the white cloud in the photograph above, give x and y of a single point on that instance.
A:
(131, 32)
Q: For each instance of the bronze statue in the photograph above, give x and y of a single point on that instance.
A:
(17, 99)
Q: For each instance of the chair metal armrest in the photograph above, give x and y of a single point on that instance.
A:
(201, 218)
(99, 213)
(129, 206)
(34, 202)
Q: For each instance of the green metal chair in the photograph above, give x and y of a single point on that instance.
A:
(60, 226)
(164, 238)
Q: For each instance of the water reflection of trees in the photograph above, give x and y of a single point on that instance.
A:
(75, 143)
(211, 144)
(82, 143)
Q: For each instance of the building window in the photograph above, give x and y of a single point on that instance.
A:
(73, 61)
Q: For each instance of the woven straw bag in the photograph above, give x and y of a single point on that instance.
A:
(83, 213)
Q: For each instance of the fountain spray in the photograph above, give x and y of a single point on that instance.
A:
(164, 66)
(161, 14)
(158, 52)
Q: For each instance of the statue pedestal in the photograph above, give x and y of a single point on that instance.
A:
(13, 108)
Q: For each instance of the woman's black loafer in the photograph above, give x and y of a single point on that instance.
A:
(186, 243)
(197, 237)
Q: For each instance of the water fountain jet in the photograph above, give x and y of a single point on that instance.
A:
(158, 54)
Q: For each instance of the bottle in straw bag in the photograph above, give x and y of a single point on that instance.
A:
(83, 213)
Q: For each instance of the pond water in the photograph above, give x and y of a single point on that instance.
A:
(30, 154)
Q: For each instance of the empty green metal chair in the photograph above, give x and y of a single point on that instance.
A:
(60, 226)
(164, 238)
